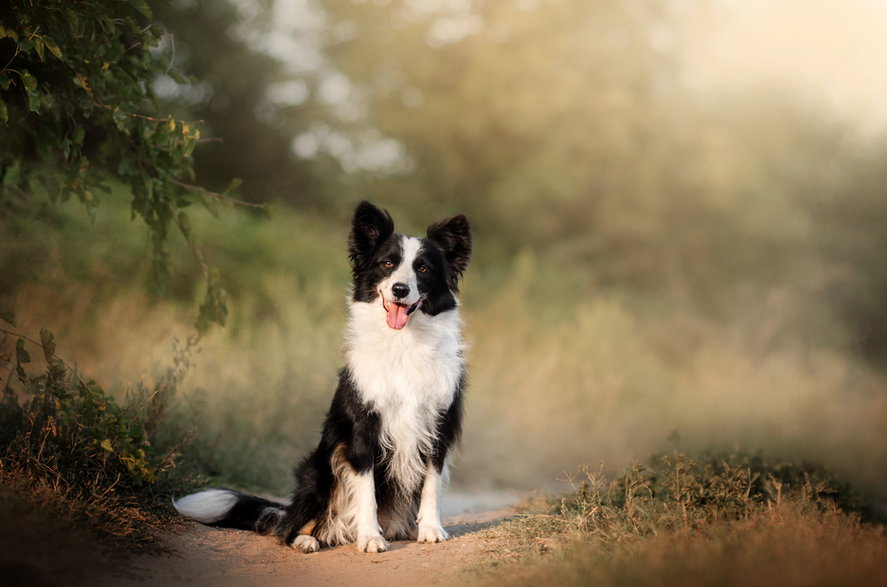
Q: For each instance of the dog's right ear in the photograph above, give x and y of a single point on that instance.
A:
(370, 226)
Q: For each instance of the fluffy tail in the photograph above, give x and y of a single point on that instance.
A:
(231, 509)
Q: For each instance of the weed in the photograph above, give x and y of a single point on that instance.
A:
(683, 504)
(64, 436)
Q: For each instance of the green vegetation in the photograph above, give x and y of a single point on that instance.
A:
(78, 110)
(66, 436)
(655, 268)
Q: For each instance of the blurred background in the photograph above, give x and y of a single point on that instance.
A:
(678, 206)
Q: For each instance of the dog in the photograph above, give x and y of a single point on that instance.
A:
(381, 465)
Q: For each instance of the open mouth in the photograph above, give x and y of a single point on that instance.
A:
(397, 314)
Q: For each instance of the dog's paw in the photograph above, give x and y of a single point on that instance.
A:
(373, 543)
(430, 534)
(306, 543)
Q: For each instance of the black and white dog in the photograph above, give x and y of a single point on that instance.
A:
(381, 464)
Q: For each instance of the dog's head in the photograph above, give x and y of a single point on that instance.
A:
(405, 274)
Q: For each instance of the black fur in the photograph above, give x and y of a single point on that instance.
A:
(351, 426)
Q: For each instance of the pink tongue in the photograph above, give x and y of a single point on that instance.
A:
(397, 315)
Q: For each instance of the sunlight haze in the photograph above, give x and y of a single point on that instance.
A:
(832, 51)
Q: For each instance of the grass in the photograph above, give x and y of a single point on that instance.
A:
(559, 374)
(721, 520)
(69, 447)
(601, 381)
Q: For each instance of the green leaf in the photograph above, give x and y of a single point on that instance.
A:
(8, 33)
(214, 308)
(142, 7)
(184, 223)
(21, 358)
(176, 76)
(4, 113)
(28, 80)
(38, 46)
(235, 183)
(34, 102)
(7, 317)
(209, 202)
(21, 353)
(106, 445)
(120, 120)
(47, 340)
(53, 47)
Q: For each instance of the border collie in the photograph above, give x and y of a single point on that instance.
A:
(381, 464)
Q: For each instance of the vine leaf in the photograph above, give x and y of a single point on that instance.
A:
(47, 341)
(22, 357)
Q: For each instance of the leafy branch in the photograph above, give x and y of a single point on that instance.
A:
(78, 112)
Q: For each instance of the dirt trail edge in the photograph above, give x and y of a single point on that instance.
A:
(223, 558)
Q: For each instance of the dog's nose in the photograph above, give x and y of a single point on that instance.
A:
(400, 290)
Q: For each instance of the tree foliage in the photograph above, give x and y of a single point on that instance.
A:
(232, 86)
(78, 111)
(504, 107)
(566, 126)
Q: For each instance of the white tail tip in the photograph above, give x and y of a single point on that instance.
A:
(207, 507)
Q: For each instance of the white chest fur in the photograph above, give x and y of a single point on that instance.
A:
(408, 376)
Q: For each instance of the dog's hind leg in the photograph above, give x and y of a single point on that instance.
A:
(305, 541)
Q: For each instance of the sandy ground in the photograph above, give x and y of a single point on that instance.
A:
(221, 558)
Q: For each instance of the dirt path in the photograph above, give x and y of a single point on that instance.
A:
(222, 558)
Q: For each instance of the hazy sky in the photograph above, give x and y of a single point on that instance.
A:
(835, 50)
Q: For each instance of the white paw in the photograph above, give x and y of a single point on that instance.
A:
(432, 533)
(373, 543)
(306, 543)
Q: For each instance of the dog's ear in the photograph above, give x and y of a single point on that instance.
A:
(453, 236)
(369, 227)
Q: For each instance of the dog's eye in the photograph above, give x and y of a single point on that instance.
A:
(388, 264)
(422, 269)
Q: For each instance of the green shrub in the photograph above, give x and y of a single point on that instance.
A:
(60, 431)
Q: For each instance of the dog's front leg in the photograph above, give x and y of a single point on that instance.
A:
(430, 528)
(369, 535)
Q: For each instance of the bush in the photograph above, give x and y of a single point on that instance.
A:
(61, 432)
(678, 493)
(733, 519)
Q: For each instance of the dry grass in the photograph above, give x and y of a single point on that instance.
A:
(559, 376)
(601, 378)
(613, 380)
(684, 523)
(787, 545)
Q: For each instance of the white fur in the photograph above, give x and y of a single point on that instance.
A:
(342, 515)
(369, 535)
(409, 376)
(306, 543)
(206, 507)
(405, 273)
(430, 528)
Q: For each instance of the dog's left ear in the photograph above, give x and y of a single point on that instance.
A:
(453, 236)
(370, 226)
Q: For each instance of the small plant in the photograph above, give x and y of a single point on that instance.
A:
(62, 432)
(714, 519)
(676, 493)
